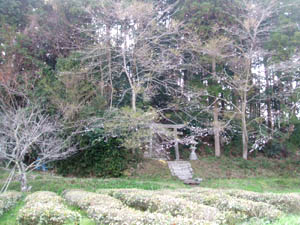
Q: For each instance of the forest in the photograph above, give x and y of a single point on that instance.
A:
(87, 83)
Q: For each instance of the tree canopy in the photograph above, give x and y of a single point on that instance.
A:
(228, 70)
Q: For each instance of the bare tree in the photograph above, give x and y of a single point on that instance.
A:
(27, 132)
(130, 42)
(238, 46)
(216, 49)
(252, 25)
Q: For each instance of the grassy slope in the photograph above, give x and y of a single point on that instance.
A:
(48, 182)
(225, 167)
(260, 174)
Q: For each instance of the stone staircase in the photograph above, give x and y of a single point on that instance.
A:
(183, 171)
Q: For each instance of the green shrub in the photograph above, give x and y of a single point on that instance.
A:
(249, 208)
(129, 216)
(234, 147)
(166, 204)
(46, 208)
(8, 200)
(295, 137)
(84, 199)
(108, 210)
(289, 203)
(100, 159)
(234, 208)
(43, 197)
(274, 149)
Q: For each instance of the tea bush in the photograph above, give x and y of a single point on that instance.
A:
(108, 210)
(166, 204)
(8, 200)
(46, 208)
(289, 203)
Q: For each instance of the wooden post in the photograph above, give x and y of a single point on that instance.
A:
(176, 144)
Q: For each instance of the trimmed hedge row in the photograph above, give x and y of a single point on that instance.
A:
(243, 207)
(132, 206)
(289, 203)
(85, 199)
(8, 200)
(46, 208)
(166, 204)
(108, 210)
(129, 216)
(228, 217)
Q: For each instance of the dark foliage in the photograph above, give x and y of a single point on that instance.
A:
(101, 159)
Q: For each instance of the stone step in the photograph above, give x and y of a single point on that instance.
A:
(192, 181)
(181, 169)
(183, 174)
(186, 171)
(179, 174)
(184, 178)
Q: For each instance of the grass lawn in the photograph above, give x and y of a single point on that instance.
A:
(10, 217)
(258, 184)
(47, 182)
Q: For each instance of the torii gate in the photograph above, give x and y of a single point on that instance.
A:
(175, 133)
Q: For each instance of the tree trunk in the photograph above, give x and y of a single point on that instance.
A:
(101, 79)
(216, 115)
(268, 101)
(130, 79)
(133, 99)
(217, 130)
(258, 106)
(23, 178)
(222, 104)
(244, 126)
(109, 67)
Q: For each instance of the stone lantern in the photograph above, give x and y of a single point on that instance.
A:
(193, 155)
